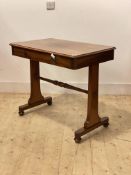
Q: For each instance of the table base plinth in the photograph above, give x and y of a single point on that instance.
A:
(22, 108)
(82, 131)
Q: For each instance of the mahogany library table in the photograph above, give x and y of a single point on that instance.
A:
(71, 55)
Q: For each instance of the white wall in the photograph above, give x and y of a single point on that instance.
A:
(102, 22)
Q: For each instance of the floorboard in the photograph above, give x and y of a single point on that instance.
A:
(41, 142)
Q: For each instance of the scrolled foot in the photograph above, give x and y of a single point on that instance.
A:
(106, 124)
(49, 102)
(77, 139)
(21, 113)
(105, 121)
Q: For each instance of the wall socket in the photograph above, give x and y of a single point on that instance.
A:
(50, 5)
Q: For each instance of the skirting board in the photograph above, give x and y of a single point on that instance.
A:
(104, 89)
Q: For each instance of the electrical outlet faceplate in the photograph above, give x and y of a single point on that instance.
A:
(50, 5)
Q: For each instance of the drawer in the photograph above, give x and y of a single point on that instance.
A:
(48, 58)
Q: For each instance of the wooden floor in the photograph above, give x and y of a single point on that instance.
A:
(41, 142)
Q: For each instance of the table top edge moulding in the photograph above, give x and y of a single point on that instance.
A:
(62, 47)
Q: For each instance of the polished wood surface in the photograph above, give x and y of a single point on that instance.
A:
(36, 97)
(64, 85)
(93, 120)
(69, 54)
(72, 55)
(63, 47)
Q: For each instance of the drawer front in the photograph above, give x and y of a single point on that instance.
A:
(50, 59)
(44, 57)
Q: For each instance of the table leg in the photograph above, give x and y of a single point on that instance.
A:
(36, 97)
(93, 120)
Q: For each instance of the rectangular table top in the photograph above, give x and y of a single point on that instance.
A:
(63, 47)
(80, 54)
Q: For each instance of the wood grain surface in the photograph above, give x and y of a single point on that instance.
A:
(63, 47)
(41, 142)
